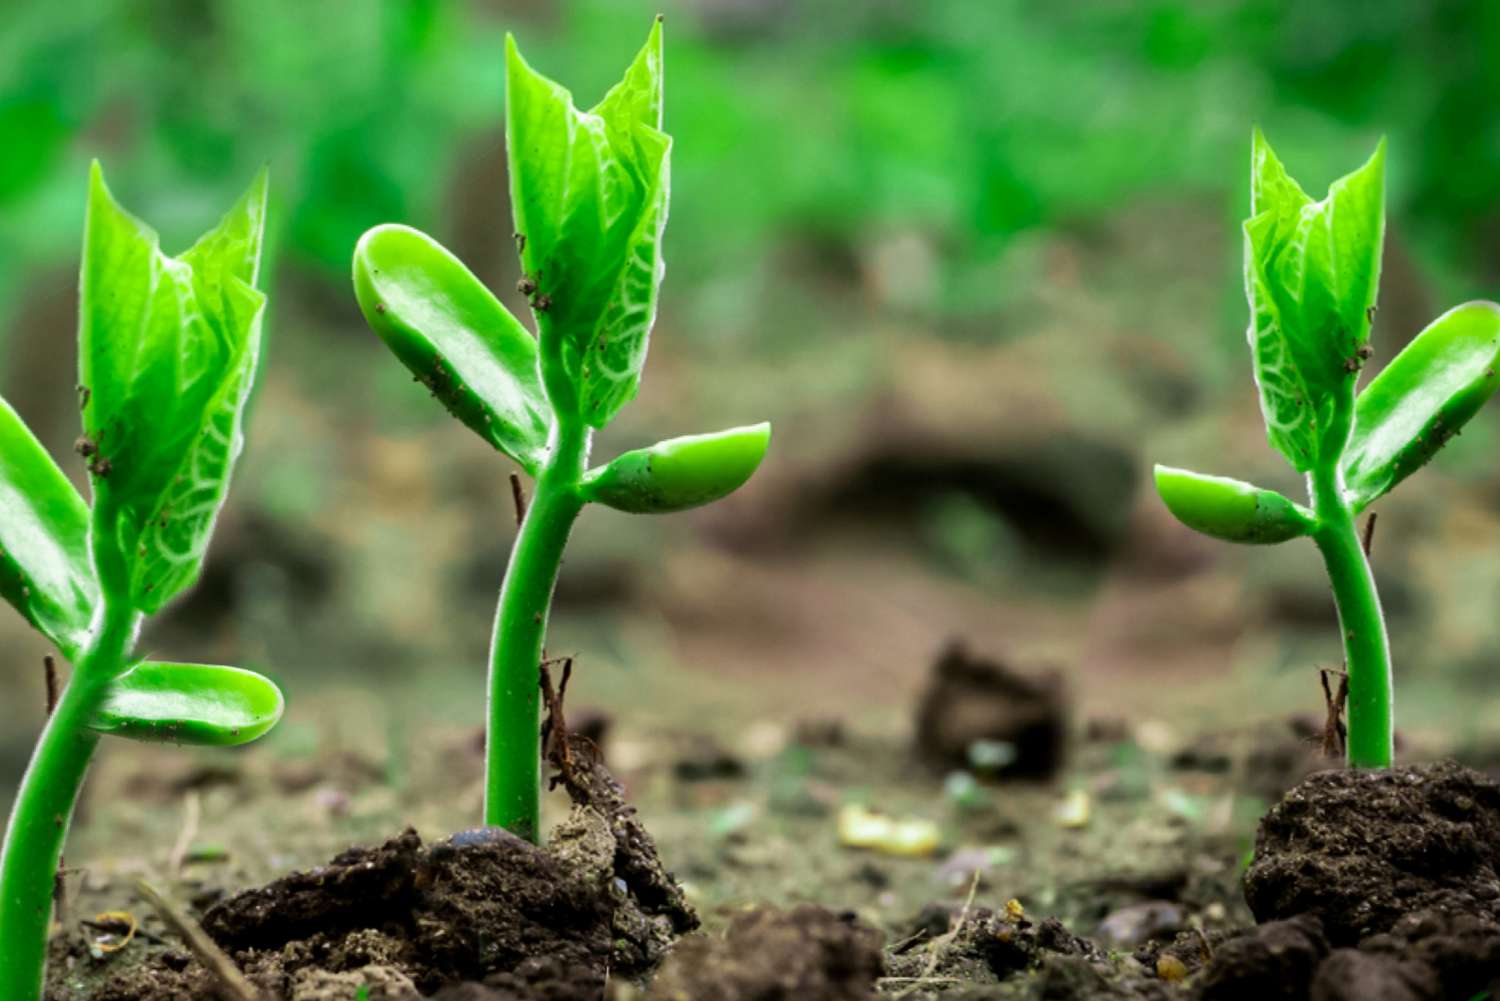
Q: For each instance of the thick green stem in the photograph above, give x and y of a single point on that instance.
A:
(44, 807)
(513, 768)
(1366, 649)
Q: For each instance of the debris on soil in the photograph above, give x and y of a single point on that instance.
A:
(987, 946)
(595, 792)
(902, 836)
(595, 903)
(807, 953)
(1364, 848)
(976, 703)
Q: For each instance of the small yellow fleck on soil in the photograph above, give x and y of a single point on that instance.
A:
(905, 836)
(1014, 910)
(1073, 811)
(1170, 968)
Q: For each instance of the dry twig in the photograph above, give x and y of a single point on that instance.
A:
(518, 497)
(1335, 731)
(232, 983)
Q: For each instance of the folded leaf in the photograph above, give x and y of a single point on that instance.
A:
(167, 353)
(44, 540)
(589, 193)
(456, 338)
(1312, 270)
(1231, 509)
(681, 472)
(1421, 399)
(190, 704)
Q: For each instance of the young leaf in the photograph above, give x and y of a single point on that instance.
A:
(1231, 509)
(589, 192)
(680, 473)
(202, 704)
(1312, 270)
(44, 540)
(456, 338)
(1421, 399)
(167, 354)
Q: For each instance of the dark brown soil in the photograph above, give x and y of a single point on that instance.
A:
(1372, 885)
(1004, 954)
(970, 701)
(480, 908)
(803, 954)
(1363, 849)
(1272, 962)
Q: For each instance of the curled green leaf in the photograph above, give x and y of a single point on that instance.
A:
(1312, 270)
(167, 354)
(203, 704)
(680, 473)
(44, 540)
(1231, 509)
(1422, 399)
(589, 193)
(456, 338)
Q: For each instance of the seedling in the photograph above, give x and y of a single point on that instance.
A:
(589, 194)
(167, 354)
(1312, 271)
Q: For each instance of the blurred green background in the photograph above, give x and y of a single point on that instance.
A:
(977, 259)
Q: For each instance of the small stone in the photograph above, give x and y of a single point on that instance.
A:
(1073, 812)
(1170, 968)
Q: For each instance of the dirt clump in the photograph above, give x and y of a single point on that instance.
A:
(1268, 963)
(1461, 950)
(407, 919)
(1362, 849)
(972, 703)
(807, 953)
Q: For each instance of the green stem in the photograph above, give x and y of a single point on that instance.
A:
(44, 807)
(513, 767)
(1366, 649)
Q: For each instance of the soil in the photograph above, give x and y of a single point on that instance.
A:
(805, 954)
(405, 920)
(971, 702)
(1366, 886)
(1364, 849)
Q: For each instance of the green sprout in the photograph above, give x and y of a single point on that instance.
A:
(1312, 271)
(167, 354)
(589, 193)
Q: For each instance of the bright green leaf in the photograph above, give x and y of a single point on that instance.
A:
(456, 337)
(203, 704)
(589, 192)
(167, 354)
(1312, 270)
(1421, 399)
(680, 473)
(1231, 509)
(44, 546)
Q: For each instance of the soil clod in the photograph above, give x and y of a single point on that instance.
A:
(1271, 962)
(972, 703)
(1362, 849)
(804, 954)
(482, 907)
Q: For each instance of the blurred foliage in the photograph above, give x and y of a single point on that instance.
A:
(809, 129)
